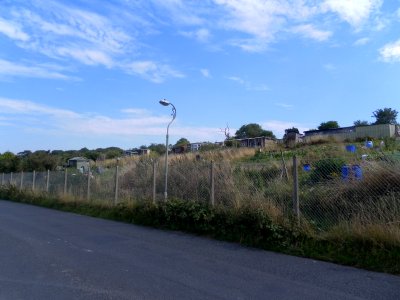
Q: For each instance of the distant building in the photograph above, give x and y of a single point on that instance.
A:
(130, 153)
(194, 147)
(256, 142)
(134, 152)
(180, 149)
(79, 163)
(144, 151)
(291, 139)
(351, 133)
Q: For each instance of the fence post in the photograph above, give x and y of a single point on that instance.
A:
(47, 181)
(284, 169)
(33, 180)
(65, 181)
(88, 185)
(212, 184)
(11, 178)
(22, 181)
(154, 181)
(296, 204)
(116, 185)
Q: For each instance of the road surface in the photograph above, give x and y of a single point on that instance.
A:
(48, 254)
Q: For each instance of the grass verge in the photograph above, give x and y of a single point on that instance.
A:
(248, 226)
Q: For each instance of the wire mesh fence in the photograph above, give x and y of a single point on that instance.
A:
(326, 192)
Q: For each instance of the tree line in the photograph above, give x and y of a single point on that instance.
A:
(42, 160)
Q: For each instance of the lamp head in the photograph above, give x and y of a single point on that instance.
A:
(164, 102)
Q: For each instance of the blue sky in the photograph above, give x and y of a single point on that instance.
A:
(90, 74)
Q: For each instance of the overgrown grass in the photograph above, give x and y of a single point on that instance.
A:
(350, 244)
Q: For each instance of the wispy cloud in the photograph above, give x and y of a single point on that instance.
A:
(12, 30)
(202, 35)
(8, 68)
(285, 105)
(90, 29)
(206, 73)
(136, 111)
(249, 85)
(181, 12)
(155, 72)
(361, 41)
(62, 32)
(258, 23)
(69, 34)
(309, 31)
(390, 52)
(356, 13)
(260, 20)
(85, 56)
(329, 67)
(28, 116)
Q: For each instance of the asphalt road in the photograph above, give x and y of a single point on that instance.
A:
(47, 254)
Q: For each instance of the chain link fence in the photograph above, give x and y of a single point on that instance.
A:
(321, 193)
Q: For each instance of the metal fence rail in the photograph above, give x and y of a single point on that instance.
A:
(322, 193)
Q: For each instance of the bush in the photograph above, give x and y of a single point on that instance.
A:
(327, 169)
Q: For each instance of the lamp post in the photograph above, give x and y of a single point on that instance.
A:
(165, 102)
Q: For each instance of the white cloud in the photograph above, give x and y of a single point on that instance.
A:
(390, 52)
(28, 115)
(259, 19)
(86, 56)
(354, 12)
(62, 32)
(76, 24)
(249, 85)
(205, 73)
(152, 71)
(11, 106)
(9, 68)
(278, 127)
(329, 67)
(262, 21)
(181, 12)
(136, 111)
(284, 105)
(362, 41)
(309, 31)
(12, 30)
(202, 35)
(237, 79)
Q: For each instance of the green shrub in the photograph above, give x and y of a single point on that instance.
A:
(327, 169)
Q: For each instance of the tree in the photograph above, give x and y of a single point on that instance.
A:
(385, 116)
(232, 143)
(360, 123)
(157, 148)
(290, 136)
(328, 125)
(9, 162)
(92, 154)
(182, 142)
(39, 161)
(252, 130)
(113, 152)
(291, 130)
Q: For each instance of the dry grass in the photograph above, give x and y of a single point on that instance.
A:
(388, 234)
(227, 154)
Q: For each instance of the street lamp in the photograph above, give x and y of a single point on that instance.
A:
(165, 102)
